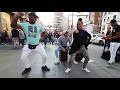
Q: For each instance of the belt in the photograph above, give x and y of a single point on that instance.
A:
(64, 46)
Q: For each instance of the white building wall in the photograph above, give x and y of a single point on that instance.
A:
(58, 21)
(108, 17)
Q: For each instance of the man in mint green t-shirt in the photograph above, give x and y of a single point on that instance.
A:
(33, 32)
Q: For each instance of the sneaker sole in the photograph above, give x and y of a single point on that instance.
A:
(26, 73)
(85, 71)
(109, 66)
(67, 72)
(56, 63)
(45, 70)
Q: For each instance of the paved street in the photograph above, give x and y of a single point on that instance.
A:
(11, 66)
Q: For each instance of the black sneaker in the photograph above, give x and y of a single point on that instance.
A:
(26, 71)
(45, 68)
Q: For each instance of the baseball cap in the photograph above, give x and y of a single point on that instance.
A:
(33, 14)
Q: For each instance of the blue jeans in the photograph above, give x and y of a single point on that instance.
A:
(57, 51)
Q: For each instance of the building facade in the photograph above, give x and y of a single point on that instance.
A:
(61, 23)
(7, 17)
(58, 21)
(107, 17)
(96, 19)
(66, 24)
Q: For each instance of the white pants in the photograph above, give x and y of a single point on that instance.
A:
(113, 49)
(15, 40)
(26, 51)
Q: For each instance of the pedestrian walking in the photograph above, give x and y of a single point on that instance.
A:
(15, 36)
(107, 42)
(115, 41)
(46, 39)
(3, 38)
(79, 45)
(6, 36)
(0, 35)
(33, 31)
(21, 38)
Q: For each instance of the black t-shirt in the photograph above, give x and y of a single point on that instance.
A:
(15, 33)
(79, 39)
(116, 28)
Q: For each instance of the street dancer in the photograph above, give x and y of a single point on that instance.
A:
(115, 41)
(32, 30)
(79, 45)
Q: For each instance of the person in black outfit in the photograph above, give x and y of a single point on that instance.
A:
(80, 42)
(115, 41)
(6, 36)
(107, 42)
(3, 38)
(15, 36)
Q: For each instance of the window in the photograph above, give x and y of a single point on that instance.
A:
(108, 19)
(114, 17)
(104, 20)
(104, 13)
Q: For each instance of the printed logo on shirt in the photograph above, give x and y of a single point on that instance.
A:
(32, 31)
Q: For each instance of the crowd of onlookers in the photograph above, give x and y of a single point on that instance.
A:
(16, 37)
(51, 38)
(4, 37)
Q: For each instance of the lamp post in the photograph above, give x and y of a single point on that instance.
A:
(68, 22)
(72, 22)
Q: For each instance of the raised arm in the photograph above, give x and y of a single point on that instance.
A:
(15, 19)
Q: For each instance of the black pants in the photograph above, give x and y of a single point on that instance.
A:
(21, 41)
(107, 44)
(3, 40)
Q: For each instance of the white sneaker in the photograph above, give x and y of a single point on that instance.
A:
(57, 61)
(111, 62)
(85, 69)
(109, 65)
(67, 70)
(75, 62)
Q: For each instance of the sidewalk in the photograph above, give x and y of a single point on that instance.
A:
(11, 66)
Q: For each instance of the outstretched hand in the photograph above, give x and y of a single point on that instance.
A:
(19, 14)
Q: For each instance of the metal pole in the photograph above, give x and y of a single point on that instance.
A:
(68, 22)
(72, 27)
(72, 21)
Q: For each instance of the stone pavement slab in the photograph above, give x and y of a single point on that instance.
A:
(11, 66)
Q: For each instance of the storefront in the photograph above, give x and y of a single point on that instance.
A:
(5, 21)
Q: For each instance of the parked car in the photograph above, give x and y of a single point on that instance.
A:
(98, 39)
